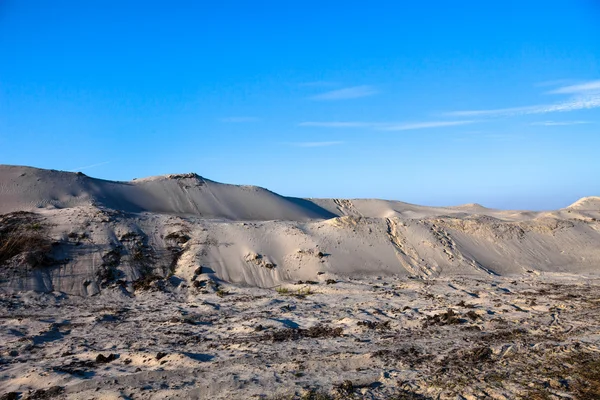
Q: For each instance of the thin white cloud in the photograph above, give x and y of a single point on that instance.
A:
(89, 166)
(316, 144)
(240, 119)
(579, 103)
(424, 125)
(587, 96)
(387, 126)
(337, 124)
(354, 92)
(582, 88)
(560, 123)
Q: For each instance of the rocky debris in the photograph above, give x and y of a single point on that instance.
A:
(260, 260)
(102, 359)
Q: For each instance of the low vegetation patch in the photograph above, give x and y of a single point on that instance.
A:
(300, 293)
(23, 235)
(148, 282)
(312, 394)
(413, 356)
(379, 325)
(315, 332)
(282, 290)
(50, 393)
(179, 237)
(446, 318)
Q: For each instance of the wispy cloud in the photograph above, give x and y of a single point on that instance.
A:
(424, 125)
(315, 144)
(240, 119)
(89, 166)
(582, 88)
(579, 103)
(387, 126)
(354, 92)
(584, 96)
(560, 123)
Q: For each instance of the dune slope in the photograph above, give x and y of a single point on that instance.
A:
(24, 188)
(67, 232)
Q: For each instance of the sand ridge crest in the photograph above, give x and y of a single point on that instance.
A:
(149, 231)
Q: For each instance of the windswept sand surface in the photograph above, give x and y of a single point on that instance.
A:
(194, 288)
(533, 337)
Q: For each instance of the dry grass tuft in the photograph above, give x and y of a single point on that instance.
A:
(22, 234)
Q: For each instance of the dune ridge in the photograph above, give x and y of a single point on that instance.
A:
(177, 286)
(101, 234)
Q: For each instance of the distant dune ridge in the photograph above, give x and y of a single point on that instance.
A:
(587, 203)
(102, 233)
(27, 188)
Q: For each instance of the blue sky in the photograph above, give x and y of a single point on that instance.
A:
(430, 102)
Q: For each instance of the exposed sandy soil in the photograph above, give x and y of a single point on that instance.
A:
(520, 337)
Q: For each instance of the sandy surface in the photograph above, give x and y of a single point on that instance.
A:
(180, 287)
(361, 338)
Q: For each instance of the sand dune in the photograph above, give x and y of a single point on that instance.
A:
(101, 232)
(180, 287)
(587, 203)
(24, 188)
